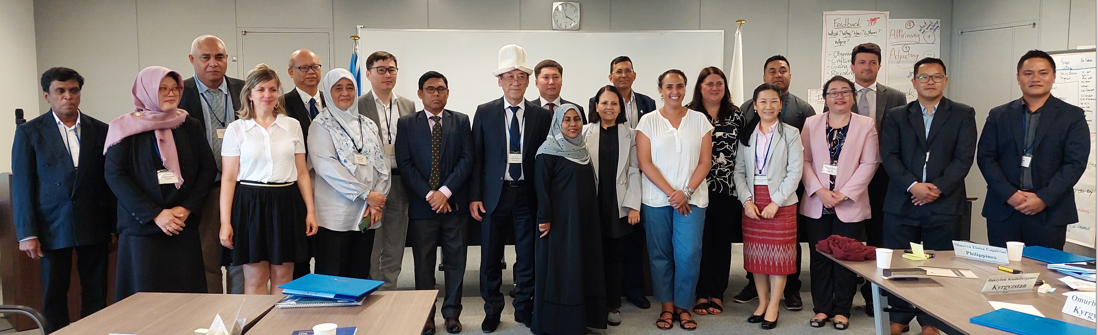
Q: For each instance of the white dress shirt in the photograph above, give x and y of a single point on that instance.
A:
(305, 100)
(266, 155)
(388, 112)
(507, 131)
(632, 115)
(675, 153)
(545, 104)
(431, 125)
(71, 137)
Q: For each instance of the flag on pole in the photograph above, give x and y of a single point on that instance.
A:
(355, 69)
(736, 85)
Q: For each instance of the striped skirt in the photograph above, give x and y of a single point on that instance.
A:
(770, 245)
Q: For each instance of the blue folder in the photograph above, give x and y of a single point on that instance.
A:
(330, 287)
(1052, 256)
(1026, 324)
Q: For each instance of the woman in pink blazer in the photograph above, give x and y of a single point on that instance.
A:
(841, 155)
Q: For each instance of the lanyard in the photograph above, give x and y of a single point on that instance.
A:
(361, 133)
(210, 107)
(1025, 133)
(759, 168)
(388, 125)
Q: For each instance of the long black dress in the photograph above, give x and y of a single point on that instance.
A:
(569, 291)
(148, 259)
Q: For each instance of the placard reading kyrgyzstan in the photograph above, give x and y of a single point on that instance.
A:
(842, 30)
(1010, 283)
(1080, 305)
(980, 252)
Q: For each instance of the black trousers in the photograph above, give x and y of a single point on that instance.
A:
(613, 255)
(1019, 227)
(343, 253)
(723, 226)
(793, 281)
(513, 210)
(833, 286)
(934, 231)
(636, 245)
(448, 231)
(91, 266)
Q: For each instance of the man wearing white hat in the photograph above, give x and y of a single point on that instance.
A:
(506, 135)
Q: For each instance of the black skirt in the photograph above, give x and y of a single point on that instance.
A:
(268, 225)
(160, 263)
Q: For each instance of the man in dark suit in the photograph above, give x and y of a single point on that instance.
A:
(548, 78)
(385, 108)
(206, 98)
(927, 147)
(435, 156)
(778, 72)
(506, 135)
(636, 104)
(1032, 152)
(873, 100)
(305, 101)
(62, 203)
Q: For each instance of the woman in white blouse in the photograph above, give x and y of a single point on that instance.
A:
(352, 180)
(674, 149)
(266, 194)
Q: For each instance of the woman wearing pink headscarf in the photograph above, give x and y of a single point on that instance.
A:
(159, 166)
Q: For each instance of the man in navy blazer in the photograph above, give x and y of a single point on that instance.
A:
(506, 135)
(1032, 152)
(549, 77)
(636, 104)
(61, 199)
(435, 156)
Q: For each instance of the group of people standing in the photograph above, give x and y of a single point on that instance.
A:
(321, 173)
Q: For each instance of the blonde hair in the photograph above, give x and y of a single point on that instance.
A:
(260, 74)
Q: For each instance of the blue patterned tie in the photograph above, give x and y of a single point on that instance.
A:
(312, 109)
(515, 169)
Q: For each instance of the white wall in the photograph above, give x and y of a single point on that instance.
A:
(20, 86)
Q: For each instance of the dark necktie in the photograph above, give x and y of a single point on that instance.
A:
(516, 143)
(436, 151)
(552, 108)
(312, 109)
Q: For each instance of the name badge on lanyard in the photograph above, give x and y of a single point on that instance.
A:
(514, 158)
(1026, 160)
(760, 180)
(361, 160)
(830, 169)
(221, 133)
(165, 177)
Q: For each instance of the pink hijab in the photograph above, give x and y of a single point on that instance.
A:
(147, 116)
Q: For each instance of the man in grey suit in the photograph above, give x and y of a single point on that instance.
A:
(549, 76)
(873, 100)
(777, 72)
(385, 108)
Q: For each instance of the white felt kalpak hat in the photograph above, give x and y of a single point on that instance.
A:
(512, 57)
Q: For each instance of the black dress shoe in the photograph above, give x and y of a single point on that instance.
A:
(524, 318)
(490, 324)
(746, 295)
(869, 309)
(755, 319)
(429, 328)
(793, 301)
(640, 302)
(453, 326)
(769, 324)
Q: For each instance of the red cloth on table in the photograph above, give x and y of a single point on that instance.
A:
(847, 249)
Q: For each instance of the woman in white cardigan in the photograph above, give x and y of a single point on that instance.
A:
(768, 170)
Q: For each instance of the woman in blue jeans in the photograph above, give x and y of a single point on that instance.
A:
(674, 150)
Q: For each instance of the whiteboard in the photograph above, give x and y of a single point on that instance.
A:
(842, 31)
(468, 57)
(910, 40)
(1075, 84)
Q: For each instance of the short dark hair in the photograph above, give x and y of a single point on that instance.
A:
(547, 63)
(593, 116)
(665, 73)
(60, 74)
(745, 138)
(620, 59)
(775, 58)
(431, 75)
(1036, 54)
(925, 61)
(838, 78)
(379, 56)
(872, 48)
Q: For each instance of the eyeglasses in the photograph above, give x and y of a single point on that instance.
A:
(937, 78)
(306, 68)
(385, 70)
(623, 72)
(510, 77)
(836, 94)
(175, 90)
(433, 90)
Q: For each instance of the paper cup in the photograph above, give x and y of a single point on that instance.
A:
(325, 329)
(1014, 251)
(884, 258)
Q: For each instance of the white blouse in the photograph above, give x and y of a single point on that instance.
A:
(266, 155)
(675, 152)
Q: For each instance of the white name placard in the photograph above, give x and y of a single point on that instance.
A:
(1010, 283)
(980, 252)
(1080, 306)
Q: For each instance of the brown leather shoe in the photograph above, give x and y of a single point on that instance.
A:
(931, 330)
(453, 326)
(896, 328)
(429, 327)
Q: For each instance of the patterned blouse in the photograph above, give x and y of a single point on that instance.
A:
(726, 133)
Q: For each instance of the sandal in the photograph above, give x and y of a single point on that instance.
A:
(684, 322)
(840, 325)
(660, 322)
(819, 323)
(702, 308)
(715, 305)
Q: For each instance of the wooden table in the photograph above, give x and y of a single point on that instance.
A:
(170, 313)
(388, 313)
(955, 300)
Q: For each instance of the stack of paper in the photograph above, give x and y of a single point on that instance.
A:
(1078, 284)
(315, 290)
(1081, 270)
